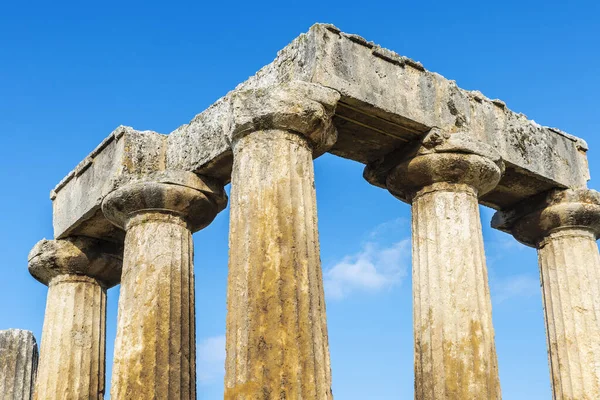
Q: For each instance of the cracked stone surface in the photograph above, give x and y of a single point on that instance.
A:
(564, 226)
(18, 364)
(455, 352)
(277, 345)
(72, 353)
(387, 103)
(155, 349)
(428, 142)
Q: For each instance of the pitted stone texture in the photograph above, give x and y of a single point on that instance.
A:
(276, 343)
(386, 101)
(72, 354)
(438, 141)
(531, 221)
(455, 354)
(570, 275)
(18, 364)
(72, 357)
(296, 107)
(443, 158)
(196, 199)
(125, 155)
(155, 351)
(155, 348)
(76, 256)
(564, 226)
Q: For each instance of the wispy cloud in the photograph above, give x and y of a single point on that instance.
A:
(513, 287)
(390, 228)
(373, 268)
(211, 359)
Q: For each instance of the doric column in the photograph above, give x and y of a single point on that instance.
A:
(18, 364)
(276, 342)
(455, 354)
(155, 355)
(564, 225)
(78, 271)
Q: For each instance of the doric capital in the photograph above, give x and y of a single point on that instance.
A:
(94, 258)
(439, 158)
(534, 219)
(296, 106)
(193, 199)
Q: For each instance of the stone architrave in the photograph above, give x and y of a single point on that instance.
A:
(383, 108)
(18, 364)
(277, 344)
(78, 271)
(388, 102)
(564, 226)
(455, 353)
(155, 353)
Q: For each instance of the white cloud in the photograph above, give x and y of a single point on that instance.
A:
(516, 286)
(211, 359)
(372, 269)
(389, 228)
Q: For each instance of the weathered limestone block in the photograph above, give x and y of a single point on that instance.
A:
(72, 357)
(388, 103)
(155, 354)
(276, 343)
(455, 354)
(564, 226)
(18, 364)
(125, 155)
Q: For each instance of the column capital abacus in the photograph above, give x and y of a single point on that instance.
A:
(534, 219)
(441, 161)
(297, 107)
(77, 256)
(170, 196)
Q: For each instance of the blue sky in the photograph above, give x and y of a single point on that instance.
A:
(71, 72)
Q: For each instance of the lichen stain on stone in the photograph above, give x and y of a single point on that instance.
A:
(128, 162)
(468, 370)
(465, 378)
(280, 353)
(424, 386)
(243, 391)
(277, 364)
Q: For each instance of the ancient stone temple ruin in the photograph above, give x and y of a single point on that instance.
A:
(127, 212)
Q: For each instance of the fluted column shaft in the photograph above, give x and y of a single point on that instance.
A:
(564, 224)
(276, 339)
(443, 179)
(155, 352)
(18, 364)
(78, 272)
(155, 345)
(73, 340)
(570, 276)
(455, 355)
(276, 342)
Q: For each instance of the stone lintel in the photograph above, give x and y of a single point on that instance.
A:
(388, 103)
(125, 155)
